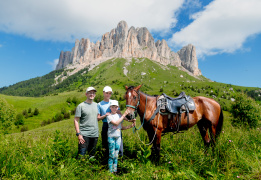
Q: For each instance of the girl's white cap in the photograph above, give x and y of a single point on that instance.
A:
(114, 103)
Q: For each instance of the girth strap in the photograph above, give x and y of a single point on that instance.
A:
(179, 116)
(154, 114)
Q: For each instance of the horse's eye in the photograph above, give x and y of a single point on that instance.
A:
(135, 97)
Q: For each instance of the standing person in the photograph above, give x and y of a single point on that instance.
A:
(114, 134)
(104, 111)
(86, 124)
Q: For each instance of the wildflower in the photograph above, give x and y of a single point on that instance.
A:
(238, 176)
(222, 131)
(230, 141)
(169, 162)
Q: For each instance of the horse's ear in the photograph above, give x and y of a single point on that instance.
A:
(126, 87)
(138, 87)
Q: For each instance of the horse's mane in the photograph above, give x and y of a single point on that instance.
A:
(132, 87)
(149, 95)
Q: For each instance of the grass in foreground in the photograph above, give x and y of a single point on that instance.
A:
(49, 153)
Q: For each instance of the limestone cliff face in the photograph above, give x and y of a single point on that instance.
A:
(128, 42)
(189, 59)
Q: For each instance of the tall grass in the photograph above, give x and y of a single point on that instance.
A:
(49, 153)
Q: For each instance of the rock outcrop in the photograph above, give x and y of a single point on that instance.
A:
(128, 42)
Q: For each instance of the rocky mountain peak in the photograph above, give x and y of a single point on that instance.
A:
(128, 42)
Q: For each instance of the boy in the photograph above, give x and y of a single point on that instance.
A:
(86, 124)
(114, 134)
(103, 112)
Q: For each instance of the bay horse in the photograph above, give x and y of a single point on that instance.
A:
(208, 116)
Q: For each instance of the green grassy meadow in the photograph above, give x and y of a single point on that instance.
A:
(49, 151)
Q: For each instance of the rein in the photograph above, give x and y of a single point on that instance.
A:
(136, 108)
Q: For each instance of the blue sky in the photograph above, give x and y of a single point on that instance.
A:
(226, 34)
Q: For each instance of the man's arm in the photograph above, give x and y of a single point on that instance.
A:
(76, 124)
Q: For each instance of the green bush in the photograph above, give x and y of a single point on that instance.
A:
(58, 117)
(75, 100)
(19, 119)
(63, 110)
(36, 111)
(7, 115)
(98, 98)
(68, 100)
(246, 111)
(24, 128)
(73, 111)
(67, 115)
(25, 113)
(43, 123)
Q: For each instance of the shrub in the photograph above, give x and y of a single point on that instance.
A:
(36, 111)
(49, 121)
(19, 119)
(6, 115)
(29, 110)
(75, 100)
(58, 117)
(63, 110)
(68, 100)
(25, 113)
(98, 98)
(246, 111)
(24, 128)
(43, 123)
(73, 111)
(67, 115)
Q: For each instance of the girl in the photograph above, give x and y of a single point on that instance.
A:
(114, 134)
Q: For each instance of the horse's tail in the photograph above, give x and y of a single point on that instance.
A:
(220, 123)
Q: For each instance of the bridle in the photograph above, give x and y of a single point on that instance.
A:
(135, 112)
(136, 108)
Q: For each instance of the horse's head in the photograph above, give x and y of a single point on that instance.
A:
(132, 97)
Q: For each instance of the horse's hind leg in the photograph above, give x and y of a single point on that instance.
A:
(203, 127)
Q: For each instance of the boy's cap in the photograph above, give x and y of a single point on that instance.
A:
(107, 89)
(114, 103)
(90, 89)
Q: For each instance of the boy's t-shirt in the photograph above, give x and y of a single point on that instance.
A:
(88, 119)
(114, 131)
(103, 108)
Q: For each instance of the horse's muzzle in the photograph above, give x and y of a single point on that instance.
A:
(131, 116)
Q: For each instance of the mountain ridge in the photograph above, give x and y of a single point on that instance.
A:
(124, 42)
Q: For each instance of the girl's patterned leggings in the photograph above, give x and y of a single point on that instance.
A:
(114, 147)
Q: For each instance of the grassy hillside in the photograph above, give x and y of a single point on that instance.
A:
(156, 79)
(48, 152)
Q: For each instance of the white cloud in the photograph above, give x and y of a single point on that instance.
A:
(223, 26)
(66, 20)
(54, 63)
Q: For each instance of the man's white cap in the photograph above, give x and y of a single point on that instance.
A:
(90, 89)
(114, 103)
(107, 89)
